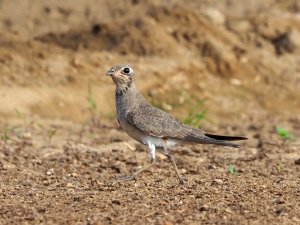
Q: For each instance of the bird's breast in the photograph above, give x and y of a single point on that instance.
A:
(130, 129)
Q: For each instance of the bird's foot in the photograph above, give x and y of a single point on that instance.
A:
(126, 178)
(182, 181)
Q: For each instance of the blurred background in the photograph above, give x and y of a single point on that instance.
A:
(229, 66)
(230, 60)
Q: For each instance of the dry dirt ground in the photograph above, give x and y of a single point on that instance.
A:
(61, 149)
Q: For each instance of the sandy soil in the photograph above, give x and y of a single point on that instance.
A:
(60, 157)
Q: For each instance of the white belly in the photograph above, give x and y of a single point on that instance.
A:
(145, 139)
(159, 142)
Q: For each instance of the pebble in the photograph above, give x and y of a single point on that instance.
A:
(215, 16)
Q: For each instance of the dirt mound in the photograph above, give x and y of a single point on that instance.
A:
(199, 48)
(127, 36)
(157, 31)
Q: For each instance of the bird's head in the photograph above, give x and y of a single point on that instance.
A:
(122, 76)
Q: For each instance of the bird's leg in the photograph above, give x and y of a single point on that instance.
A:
(171, 159)
(151, 150)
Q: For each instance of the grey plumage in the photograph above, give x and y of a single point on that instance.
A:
(155, 122)
(152, 126)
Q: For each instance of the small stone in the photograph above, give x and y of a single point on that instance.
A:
(218, 181)
(204, 207)
(183, 171)
(297, 161)
(215, 16)
(74, 175)
(50, 172)
(296, 219)
(27, 135)
(70, 185)
(236, 82)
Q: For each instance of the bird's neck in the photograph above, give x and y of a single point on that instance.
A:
(123, 88)
(124, 99)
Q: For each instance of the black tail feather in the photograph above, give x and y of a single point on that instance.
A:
(225, 138)
(210, 140)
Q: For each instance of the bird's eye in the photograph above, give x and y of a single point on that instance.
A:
(126, 70)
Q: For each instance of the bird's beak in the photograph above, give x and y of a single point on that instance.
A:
(109, 73)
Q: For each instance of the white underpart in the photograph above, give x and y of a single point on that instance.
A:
(154, 142)
(151, 150)
(151, 141)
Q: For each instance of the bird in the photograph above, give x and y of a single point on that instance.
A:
(153, 127)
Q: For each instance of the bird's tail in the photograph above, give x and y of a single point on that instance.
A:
(225, 138)
(215, 139)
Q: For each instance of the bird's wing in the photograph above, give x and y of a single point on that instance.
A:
(155, 122)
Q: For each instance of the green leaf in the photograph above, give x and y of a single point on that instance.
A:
(231, 169)
(194, 118)
(51, 133)
(19, 114)
(91, 100)
(280, 167)
(5, 136)
(283, 133)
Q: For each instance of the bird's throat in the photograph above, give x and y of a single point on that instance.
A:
(122, 89)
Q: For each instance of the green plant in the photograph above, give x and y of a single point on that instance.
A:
(51, 134)
(283, 133)
(21, 116)
(91, 101)
(195, 117)
(93, 106)
(231, 169)
(5, 136)
(110, 116)
(280, 167)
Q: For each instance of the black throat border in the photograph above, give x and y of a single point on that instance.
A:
(125, 89)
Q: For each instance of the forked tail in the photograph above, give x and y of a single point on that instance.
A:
(225, 138)
(215, 139)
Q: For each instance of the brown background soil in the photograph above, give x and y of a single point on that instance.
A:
(59, 159)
